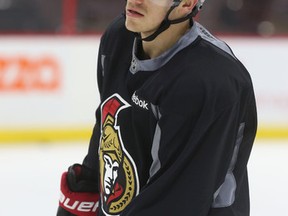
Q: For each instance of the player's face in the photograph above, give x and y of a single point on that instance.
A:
(145, 16)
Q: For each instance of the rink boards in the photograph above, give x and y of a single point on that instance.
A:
(48, 86)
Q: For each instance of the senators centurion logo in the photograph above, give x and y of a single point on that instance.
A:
(118, 173)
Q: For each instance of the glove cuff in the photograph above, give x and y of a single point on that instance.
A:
(78, 203)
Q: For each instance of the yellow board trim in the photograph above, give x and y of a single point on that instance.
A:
(45, 135)
(272, 133)
(84, 134)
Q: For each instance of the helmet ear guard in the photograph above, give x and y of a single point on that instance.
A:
(195, 10)
(198, 7)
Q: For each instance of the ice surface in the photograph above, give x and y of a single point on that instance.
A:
(30, 177)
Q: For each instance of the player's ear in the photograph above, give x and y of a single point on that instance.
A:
(187, 5)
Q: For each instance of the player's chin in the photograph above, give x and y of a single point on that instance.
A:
(132, 25)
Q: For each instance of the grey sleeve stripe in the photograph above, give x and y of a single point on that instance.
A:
(156, 163)
(225, 194)
(103, 64)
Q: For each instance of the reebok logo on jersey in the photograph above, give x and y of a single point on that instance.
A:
(141, 103)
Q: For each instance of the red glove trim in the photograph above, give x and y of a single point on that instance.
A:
(78, 203)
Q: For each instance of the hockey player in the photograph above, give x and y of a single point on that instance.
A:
(175, 125)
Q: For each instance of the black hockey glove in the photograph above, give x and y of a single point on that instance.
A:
(79, 192)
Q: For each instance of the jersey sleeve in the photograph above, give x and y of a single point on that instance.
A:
(196, 158)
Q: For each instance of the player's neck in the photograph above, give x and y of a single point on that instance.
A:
(165, 40)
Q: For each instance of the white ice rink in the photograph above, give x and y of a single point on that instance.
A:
(30, 176)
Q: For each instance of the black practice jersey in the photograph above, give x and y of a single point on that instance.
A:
(174, 133)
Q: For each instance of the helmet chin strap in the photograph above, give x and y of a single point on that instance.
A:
(166, 22)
